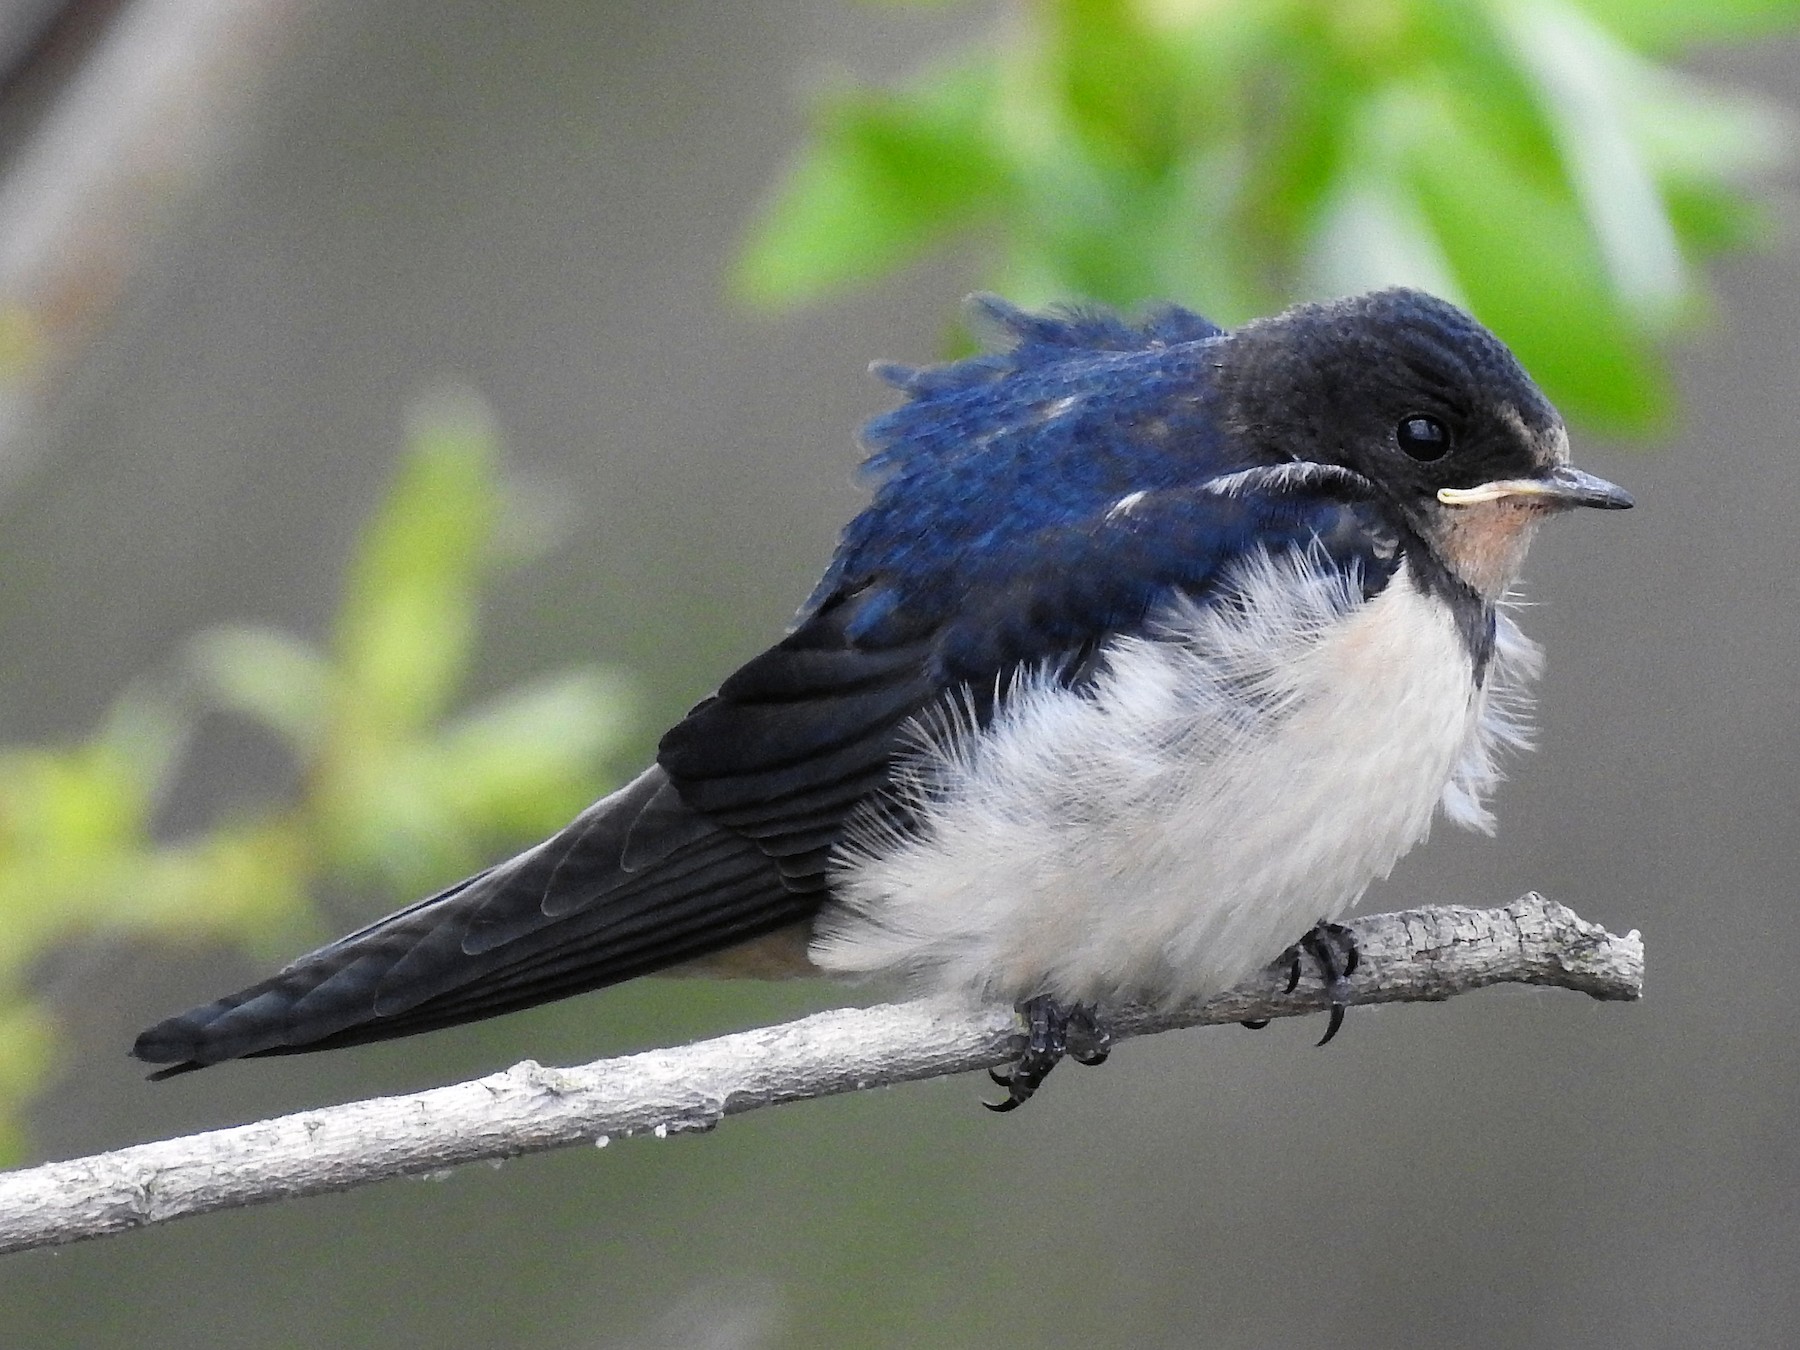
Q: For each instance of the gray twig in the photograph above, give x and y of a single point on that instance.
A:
(1426, 954)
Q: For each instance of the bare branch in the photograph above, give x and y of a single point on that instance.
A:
(1427, 954)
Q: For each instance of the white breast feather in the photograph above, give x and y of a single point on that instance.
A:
(1223, 785)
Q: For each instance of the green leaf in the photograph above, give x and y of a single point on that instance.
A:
(383, 822)
(392, 798)
(1372, 233)
(886, 176)
(74, 824)
(1221, 153)
(1691, 133)
(271, 677)
(1120, 85)
(70, 825)
(28, 1045)
(524, 763)
(1525, 258)
(1579, 73)
(143, 735)
(244, 881)
(433, 808)
(408, 615)
(70, 811)
(1664, 25)
(1192, 250)
(1716, 219)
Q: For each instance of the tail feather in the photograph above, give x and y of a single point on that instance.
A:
(635, 884)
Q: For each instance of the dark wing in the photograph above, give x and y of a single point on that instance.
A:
(642, 880)
(577, 911)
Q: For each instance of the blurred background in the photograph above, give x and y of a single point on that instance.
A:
(407, 410)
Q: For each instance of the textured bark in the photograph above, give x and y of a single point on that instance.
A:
(1427, 954)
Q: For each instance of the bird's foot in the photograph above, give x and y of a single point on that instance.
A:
(1332, 947)
(1053, 1029)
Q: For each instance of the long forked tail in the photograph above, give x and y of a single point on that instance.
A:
(636, 883)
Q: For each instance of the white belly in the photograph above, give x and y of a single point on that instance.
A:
(1173, 828)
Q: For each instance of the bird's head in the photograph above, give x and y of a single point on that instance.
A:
(1417, 397)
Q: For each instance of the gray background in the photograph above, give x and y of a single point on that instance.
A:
(539, 199)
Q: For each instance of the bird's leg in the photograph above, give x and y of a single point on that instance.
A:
(1053, 1029)
(1332, 947)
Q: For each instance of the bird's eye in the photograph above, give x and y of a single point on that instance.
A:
(1422, 437)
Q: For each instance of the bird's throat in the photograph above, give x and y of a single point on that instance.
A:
(1485, 544)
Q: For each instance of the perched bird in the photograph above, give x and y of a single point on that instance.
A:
(1156, 646)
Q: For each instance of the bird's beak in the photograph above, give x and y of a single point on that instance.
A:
(1560, 486)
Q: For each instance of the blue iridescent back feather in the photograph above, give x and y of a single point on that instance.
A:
(1082, 410)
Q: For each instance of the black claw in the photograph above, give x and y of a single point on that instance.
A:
(1053, 1030)
(1331, 1027)
(1020, 1088)
(1333, 950)
(1333, 947)
(1257, 1023)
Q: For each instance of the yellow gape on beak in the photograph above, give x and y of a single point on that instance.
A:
(1560, 486)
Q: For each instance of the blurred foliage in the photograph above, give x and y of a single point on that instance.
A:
(1530, 159)
(396, 792)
